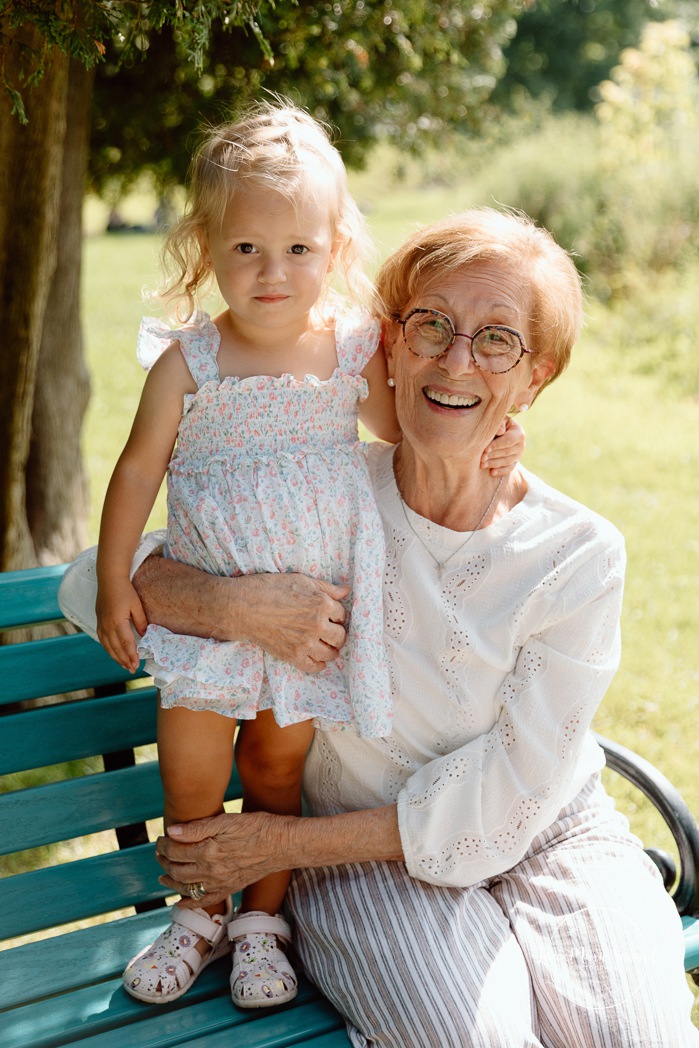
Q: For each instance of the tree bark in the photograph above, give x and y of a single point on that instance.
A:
(56, 483)
(31, 160)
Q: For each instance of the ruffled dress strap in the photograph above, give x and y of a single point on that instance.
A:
(199, 343)
(356, 340)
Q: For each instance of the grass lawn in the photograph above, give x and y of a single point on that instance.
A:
(615, 438)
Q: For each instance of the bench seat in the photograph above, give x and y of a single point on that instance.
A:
(78, 783)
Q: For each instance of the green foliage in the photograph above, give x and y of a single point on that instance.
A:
(83, 29)
(648, 123)
(564, 48)
(412, 71)
(618, 187)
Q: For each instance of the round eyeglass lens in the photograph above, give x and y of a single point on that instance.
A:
(429, 334)
(496, 349)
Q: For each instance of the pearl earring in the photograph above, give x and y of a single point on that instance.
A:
(391, 382)
(523, 407)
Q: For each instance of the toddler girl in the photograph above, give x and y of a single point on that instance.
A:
(253, 416)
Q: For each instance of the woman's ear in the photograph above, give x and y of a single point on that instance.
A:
(541, 371)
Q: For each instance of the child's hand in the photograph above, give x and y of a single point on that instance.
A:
(117, 606)
(504, 452)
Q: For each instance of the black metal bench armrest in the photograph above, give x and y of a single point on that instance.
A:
(673, 809)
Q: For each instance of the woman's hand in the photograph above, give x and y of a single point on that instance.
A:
(294, 617)
(224, 853)
(227, 852)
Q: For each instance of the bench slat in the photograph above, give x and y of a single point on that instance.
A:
(60, 811)
(28, 598)
(57, 665)
(77, 807)
(336, 1039)
(54, 734)
(66, 962)
(104, 1015)
(77, 890)
(282, 1027)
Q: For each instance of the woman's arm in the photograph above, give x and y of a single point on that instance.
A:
(294, 617)
(227, 852)
(473, 813)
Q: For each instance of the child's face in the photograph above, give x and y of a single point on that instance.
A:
(270, 258)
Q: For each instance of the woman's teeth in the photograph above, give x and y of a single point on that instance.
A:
(450, 400)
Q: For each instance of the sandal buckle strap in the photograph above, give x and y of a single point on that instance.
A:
(199, 922)
(249, 924)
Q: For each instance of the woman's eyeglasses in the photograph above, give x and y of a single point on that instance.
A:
(494, 348)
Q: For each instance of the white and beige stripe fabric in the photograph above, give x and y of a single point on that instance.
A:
(578, 946)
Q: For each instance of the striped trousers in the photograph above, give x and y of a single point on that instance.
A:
(578, 946)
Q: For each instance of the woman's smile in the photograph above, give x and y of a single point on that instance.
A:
(450, 400)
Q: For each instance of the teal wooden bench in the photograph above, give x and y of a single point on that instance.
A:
(66, 989)
(60, 973)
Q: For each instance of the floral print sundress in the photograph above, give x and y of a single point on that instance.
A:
(268, 475)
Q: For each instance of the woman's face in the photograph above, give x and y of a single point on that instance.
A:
(446, 405)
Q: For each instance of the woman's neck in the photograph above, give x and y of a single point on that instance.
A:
(456, 495)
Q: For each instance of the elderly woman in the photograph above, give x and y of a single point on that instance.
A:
(465, 881)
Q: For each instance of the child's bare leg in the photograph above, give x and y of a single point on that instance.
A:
(270, 762)
(195, 752)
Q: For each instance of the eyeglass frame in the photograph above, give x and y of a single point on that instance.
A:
(460, 334)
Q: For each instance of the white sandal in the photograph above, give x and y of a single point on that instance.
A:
(262, 976)
(165, 970)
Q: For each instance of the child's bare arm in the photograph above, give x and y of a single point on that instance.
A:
(129, 500)
(506, 449)
(378, 411)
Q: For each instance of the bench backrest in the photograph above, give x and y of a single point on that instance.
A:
(72, 766)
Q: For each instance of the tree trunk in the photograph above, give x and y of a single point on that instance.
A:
(31, 159)
(56, 485)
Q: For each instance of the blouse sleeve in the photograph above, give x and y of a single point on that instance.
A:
(473, 813)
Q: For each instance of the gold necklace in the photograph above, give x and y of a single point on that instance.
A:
(441, 564)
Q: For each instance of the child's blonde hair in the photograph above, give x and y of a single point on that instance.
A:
(273, 145)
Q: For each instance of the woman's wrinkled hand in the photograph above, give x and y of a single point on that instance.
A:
(298, 619)
(225, 853)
